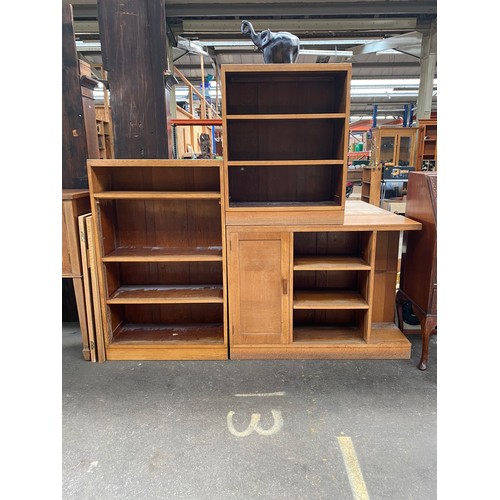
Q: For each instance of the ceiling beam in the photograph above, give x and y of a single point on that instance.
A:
(355, 66)
(299, 25)
(325, 8)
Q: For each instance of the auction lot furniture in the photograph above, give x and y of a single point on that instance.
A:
(75, 202)
(256, 256)
(419, 262)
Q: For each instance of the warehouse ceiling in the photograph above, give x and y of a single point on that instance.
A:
(382, 40)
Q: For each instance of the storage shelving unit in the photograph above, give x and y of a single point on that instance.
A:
(286, 131)
(309, 274)
(161, 258)
(332, 284)
(104, 131)
(427, 145)
(370, 185)
(328, 291)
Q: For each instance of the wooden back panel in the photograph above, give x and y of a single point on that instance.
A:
(312, 139)
(157, 179)
(292, 92)
(318, 183)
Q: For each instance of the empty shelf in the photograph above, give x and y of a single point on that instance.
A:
(172, 334)
(330, 263)
(157, 195)
(163, 294)
(328, 334)
(287, 116)
(329, 299)
(162, 254)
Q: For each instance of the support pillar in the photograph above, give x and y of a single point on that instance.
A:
(428, 59)
(134, 53)
(74, 139)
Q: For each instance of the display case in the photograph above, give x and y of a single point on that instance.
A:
(393, 146)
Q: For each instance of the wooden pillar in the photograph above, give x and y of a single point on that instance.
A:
(74, 141)
(133, 44)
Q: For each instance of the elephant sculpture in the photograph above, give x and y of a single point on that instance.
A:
(280, 47)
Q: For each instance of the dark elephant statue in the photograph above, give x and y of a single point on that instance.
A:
(280, 47)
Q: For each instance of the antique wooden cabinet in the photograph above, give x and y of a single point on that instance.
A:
(393, 146)
(160, 230)
(419, 263)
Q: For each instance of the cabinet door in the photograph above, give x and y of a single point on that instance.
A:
(258, 279)
(387, 149)
(405, 154)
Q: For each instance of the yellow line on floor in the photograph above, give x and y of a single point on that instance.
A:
(358, 486)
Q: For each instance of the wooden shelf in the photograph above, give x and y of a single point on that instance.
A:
(328, 334)
(172, 334)
(283, 204)
(330, 263)
(285, 116)
(328, 299)
(171, 294)
(157, 195)
(159, 254)
(287, 163)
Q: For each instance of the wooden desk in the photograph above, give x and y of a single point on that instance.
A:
(75, 202)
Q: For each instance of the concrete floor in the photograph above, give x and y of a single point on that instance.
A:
(327, 429)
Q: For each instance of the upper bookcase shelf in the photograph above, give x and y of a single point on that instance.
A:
(287, 89)
(286, 130)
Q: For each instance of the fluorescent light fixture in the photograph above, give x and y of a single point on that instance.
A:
(244, 43)
(87, 46)
(389, 82)
(339, 53)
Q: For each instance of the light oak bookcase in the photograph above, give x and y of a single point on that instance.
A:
(160, 232)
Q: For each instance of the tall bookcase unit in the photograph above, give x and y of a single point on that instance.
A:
(160, 232)
(309, 274)
(286, 131)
